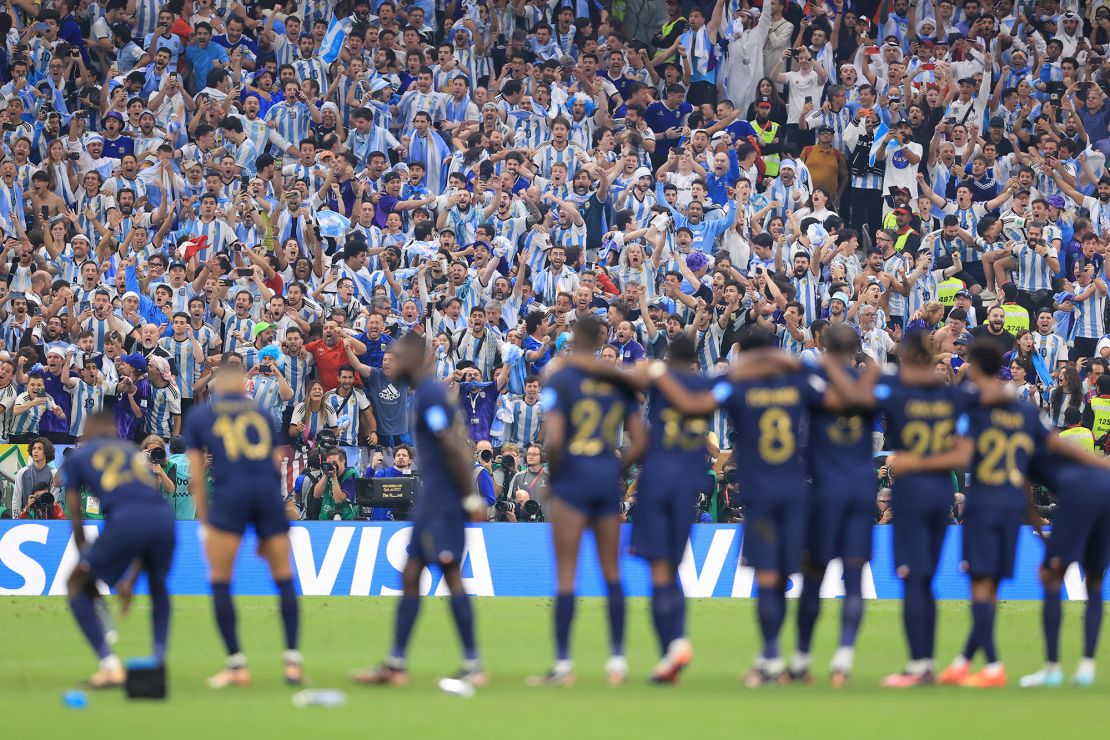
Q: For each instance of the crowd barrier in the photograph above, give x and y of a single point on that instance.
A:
(364, 558)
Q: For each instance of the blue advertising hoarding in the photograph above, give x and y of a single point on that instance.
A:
(366, 558)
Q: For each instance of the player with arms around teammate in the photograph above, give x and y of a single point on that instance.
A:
(666, 495)
(767, 411)
(841, 512)
(246, 490)
(138, 535)
(1080, 534)
(583, 417)
(921, 413)
(445, 501)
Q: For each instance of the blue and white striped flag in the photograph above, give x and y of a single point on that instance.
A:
(332, 224)
(334, 37)
(880, 131)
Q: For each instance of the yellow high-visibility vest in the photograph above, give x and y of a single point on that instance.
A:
(1101, 408)
(1017, 318)
(947, 290)
(770, 161)
(1081, 436)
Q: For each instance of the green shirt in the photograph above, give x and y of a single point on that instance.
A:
(328, 508)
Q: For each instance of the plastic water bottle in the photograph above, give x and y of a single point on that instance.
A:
(75, 699)
(319, 698)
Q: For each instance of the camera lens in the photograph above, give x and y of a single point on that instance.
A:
(485, 456)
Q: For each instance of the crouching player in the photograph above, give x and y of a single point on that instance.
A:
(138, 535)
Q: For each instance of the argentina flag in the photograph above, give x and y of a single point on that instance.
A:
(880, 132)
(332, 224)
(334, 37)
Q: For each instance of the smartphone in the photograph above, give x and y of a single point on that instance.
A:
(83, 306)
(928, 67)
(46, 213)
(246, 180)
(244, 271)
(41, 26)
(809, 99)
(871, 50)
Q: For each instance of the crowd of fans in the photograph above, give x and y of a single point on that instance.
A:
(293, 186)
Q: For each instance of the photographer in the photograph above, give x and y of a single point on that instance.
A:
(164, 471)
(506, 464)
(336, 488)
(483, 472)
(529, 485)
(401, 468)
(41, 504)
(35, 473)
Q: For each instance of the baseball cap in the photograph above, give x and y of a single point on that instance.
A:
(842, 297)
(901, 209)
(261, 327)
(763, 100)
(964, 338)
(963, 294)
(825, 130)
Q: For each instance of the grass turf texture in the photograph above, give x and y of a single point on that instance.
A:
(44, 656)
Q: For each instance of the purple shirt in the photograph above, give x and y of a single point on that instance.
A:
(384, 207)
(50, 422)
(632, 351)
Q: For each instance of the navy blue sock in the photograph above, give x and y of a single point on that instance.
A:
(971, 646)
(982, 627)
(407, 610)
(225, 616)
(668, 607)
(913, 616)
(1051, 617)
(290, 617)
(930, 626)
(660, 616)
(1092, 622)
(85, 613)
(851, 614)
(564, 615)
(809, 607)
(772, 611)
(160, 617)
(616, 617)
(464, 622)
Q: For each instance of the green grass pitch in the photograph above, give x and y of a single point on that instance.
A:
(44, 655)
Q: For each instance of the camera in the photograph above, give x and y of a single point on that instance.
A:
(329, 468)
(158, 456)
(266, 369)
(44, 502)
(42, 393)
(505, 506)
(486, 456)
(530, 512)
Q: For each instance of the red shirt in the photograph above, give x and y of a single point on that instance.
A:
(328, 361)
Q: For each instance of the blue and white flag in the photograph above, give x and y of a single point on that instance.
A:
(332, 224)
(880, 131)
(334, 37)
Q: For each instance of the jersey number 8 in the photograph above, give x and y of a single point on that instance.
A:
(776, 437)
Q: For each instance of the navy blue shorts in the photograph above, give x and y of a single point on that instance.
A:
(438, 539)
(1081, 531)
(990, 535)
(259, 505)
(147, 533)
(593, 499)
(922, 513)
(663, 516)
(774, 531)
(841, 520)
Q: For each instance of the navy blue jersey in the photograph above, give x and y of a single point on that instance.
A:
(118, 473)
(595, 411)
(921, 419)
(239, 435)
(433, 414)
(1005, 437)
(674, 438)
(839, 445)
(769, 419)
